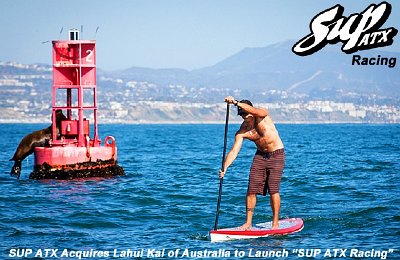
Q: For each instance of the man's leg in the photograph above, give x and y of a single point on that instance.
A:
(274, 179)
(275, 200)
(251, 200)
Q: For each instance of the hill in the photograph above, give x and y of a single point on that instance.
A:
(323, 87)
(328, 73)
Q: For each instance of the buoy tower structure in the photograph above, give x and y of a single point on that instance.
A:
(75, 149)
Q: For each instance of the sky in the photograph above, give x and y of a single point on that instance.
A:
(187, 34)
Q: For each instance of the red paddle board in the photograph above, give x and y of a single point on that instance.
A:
(286, 226)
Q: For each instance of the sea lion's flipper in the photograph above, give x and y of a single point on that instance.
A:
(16, 169)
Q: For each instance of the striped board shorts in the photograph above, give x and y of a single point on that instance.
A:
(266, 172)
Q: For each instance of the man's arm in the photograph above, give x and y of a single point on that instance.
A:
(237, 145)
(258, 112)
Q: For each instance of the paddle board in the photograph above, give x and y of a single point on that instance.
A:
(286, 226)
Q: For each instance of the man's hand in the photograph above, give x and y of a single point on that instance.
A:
(230, 100)
(221, 173)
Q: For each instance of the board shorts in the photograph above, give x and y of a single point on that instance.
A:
(266, 172)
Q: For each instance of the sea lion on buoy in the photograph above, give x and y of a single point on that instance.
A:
(32, 140)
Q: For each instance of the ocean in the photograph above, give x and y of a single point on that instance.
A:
(342, 180)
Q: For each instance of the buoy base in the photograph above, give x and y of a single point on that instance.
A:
(99, 168)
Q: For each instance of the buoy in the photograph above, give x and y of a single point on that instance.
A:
(75, 149)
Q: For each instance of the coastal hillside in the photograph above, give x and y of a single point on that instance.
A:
(324, 87)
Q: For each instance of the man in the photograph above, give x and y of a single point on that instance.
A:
(269, 160)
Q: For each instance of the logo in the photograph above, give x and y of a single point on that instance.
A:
(359, 31)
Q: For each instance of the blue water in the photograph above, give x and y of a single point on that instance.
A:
(343, 180)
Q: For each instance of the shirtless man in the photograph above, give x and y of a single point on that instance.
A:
(269, 160)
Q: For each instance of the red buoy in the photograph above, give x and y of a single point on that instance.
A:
(75, 149)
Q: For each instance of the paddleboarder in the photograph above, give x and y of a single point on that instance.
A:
(268, 162)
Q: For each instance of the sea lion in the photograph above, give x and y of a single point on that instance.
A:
(32, 140)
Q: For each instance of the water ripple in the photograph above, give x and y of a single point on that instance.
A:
(340, 181)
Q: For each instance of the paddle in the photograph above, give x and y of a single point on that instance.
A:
(222, 167)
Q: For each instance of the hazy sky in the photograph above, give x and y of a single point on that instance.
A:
(185, 34)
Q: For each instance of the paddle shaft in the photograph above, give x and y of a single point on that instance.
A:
(222, 166)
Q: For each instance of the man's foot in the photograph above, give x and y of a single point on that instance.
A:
(245, 226)
(275, 225)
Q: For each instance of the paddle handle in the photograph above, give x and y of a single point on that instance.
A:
(222, 167)
(225, 136)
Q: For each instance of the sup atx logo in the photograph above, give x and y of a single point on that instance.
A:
(356, 32)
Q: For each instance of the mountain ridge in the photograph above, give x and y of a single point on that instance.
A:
(275, 66)
(264, 74)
